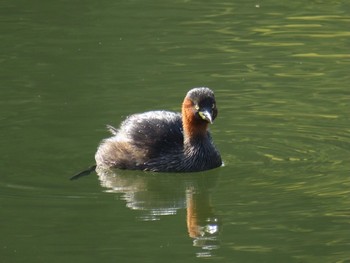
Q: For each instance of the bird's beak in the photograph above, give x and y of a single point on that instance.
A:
(206, 115)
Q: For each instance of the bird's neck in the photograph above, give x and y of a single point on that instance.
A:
(194, 128)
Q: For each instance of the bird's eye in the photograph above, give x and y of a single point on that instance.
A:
(196, 107)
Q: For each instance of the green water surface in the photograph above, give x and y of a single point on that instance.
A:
(280, 72)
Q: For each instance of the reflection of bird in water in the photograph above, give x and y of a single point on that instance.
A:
(164, 141)
(202, 224)
(164, 194)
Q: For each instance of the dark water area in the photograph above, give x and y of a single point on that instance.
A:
(280, 73)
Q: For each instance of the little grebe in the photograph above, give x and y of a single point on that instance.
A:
(164, 141)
